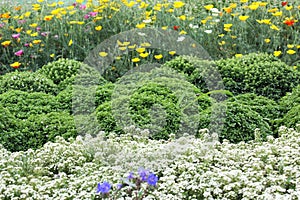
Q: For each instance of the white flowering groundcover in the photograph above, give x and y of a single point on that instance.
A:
(187, 168)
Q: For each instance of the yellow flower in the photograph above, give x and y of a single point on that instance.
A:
(158, 57)
(27, 14)
(182, 32)
(263, 4)
(233, 5)
(52, 55)
(253, 6)
(243, 1)
(298, 46)
(273, 10)
(209, 7)
(233, 37)
(79, 1)
(157, 7)
(222, 43)
(267, 40)
(34, 34)
(243, 17)
(172, 52)
(277, 14)
(70, 42)
(144, 55)
(135, 60)
(40, 1)
(80, 22)
(178, 4)
(52, 4)
(182, 17)
(122, 48)
(6, 43)
(15, 65)
(28, 32)
(36, 41)
(266, 21)
(277, 53)
(18, 30)
(98, 28)
(221, 35)
(274, 27)
(295, 67)
(132, 46)
(164, 27)
(36, 7)
(290, 46)
(238, 55)
(33, 25)
(142, 25)
(102, 54)
(60, 3)
(140, 50)
(145, 44)
(227, 25)
(291, 52)
(288, 7)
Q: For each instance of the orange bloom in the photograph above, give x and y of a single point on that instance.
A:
(289, 22)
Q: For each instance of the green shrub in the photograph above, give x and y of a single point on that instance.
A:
(261, 74)
(267, 108)
(104, 93)
(201, 73)
(9, 126)
(291, 118)
(159, 100)
(23, 104)
(28, 82)
(39, 129)
(60, 69)
(291, 99)
(239, 122)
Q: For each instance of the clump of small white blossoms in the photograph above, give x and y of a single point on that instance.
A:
(187, 168)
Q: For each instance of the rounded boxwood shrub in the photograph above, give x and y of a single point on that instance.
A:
(39, 129)
(28, 82)
(239, 122)
(291, 99)
(291, 118)
(201, 73)
(23, 104)
(267, 108)
(9, 126)
(261, 74)
(104, 93)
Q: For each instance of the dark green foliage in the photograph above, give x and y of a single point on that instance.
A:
(104, 93)
(144, 98)
(202, 73)
(60, 69)
(106, 119)
(39, 129)
(28, 82)
(23, 104)
(290, 100)
(10, 131)
(267, 108)
(8, 125)
(261, 74)
(291, 118)
(240, 121)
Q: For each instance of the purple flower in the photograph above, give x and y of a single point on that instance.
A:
(19, 53)
(152, 179)
(21, 21)
(38, 28)
(26, 45)
(119, 186)
(86, 16)
(44, 34)
(143, 174)
(103, 188)
(130, 176)
(15, 36)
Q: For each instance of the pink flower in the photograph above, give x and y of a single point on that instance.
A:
(44, 34)
(86, 16)
(16, 36)
(38, 28)
(1, 25)
(19, 53)
(93, 14)
(26, 45)
(82, 7)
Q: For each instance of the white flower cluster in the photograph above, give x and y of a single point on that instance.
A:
(188, 168)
